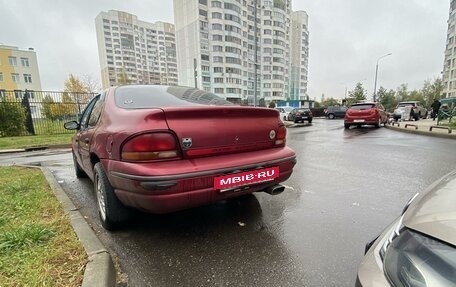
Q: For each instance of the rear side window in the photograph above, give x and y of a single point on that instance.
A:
(362, 106)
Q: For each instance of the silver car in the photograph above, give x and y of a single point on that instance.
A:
(416, 111)
(419, 248)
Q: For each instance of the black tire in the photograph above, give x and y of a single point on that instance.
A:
(379, 123)
(425, 115)
(346, 126)
(310, 120)
(331, 116)
(113, 214)
(77, 168)
(295, 121)
(284, 118)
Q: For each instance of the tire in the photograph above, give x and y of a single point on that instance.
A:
(346, 126)
(284, 118)
(425, 115)
(379, 122)
(310, 120)
(113, 214)
(80, 173)
(331, 116)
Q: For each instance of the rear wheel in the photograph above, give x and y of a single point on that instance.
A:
(284, 118)
(379, 122)
(346, 126)
(111, 211)
(331, 116)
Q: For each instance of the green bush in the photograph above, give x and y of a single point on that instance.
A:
(12, 119)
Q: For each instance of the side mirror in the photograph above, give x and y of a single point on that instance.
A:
(73, 125)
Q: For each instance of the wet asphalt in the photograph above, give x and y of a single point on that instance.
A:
(346, 186)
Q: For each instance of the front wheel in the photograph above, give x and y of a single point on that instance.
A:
(111, 211)
(310, 120)
(331, 116)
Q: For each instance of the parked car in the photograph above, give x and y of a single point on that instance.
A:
(300, 115)
(417, 111)
(284, 112)
(365, 114)
(162, 149)
(419, 247)
(335, 112)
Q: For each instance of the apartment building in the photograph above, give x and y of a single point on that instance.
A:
(449, 65)
(299, 50)
(220, 42)
(132, 51)
(19, 69)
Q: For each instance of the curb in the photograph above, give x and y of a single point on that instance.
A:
(421, 132)
(99, 270)
(35, 148)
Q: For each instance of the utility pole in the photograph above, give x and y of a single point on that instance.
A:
(255, 53)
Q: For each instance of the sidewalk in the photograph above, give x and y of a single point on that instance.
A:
(426, 127)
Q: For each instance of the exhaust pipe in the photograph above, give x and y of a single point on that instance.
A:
(274, 190)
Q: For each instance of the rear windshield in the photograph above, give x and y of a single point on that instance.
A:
(302, 110)
(362, 106)
(140, 97)
(405, 104)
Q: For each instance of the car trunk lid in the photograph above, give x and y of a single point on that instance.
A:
(206, 131)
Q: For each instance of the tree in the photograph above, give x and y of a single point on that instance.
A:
(387, 98)
(78, 91)
(402, 93)
(122, 79)
(272, 105)
(12, 117)
(330, 102)
(357, 95)
(91, 84)
(431, 91)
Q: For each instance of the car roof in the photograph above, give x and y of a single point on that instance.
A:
(434, 212)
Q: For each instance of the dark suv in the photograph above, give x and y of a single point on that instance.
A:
(335, 112)
(300, 115)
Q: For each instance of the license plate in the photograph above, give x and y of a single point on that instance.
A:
(229, 181)
(358, 121)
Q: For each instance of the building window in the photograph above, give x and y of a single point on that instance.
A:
(28, 78)
(12, 61)
(218, 69)
(15, 78)
(218, 80)
(218, 90)
(25, 62)
(1, 77)
(216, 4)
(216, 15)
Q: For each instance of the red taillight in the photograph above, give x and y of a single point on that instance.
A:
(152, 146)
(281, 136)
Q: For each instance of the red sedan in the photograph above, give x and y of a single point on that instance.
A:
(365, 114)
(161, 149)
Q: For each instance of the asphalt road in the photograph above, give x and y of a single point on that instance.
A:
(347, 185)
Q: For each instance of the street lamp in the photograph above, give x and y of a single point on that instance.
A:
(376, 72)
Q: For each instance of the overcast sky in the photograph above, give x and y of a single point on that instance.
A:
(346, 39)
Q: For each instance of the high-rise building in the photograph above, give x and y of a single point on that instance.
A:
(299, 50)
(19, 69)
(132, 51)
(220, 42)
(449, 65)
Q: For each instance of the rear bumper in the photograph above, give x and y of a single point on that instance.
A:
(172, 186)
(369, 120)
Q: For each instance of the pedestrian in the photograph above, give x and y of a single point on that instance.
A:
(435, 108)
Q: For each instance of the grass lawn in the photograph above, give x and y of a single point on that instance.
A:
(31, 141)
(38, 246)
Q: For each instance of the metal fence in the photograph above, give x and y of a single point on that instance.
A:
(39, 112)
